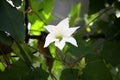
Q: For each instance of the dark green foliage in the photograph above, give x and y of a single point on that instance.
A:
(96, 6)
(69, 74)
(117, 5)
(113, 31)
(12, 21)
(17, 3)
(95, 69)
(5, 39)
(82, 49)
(110, 1)
(20, 71)
(111, 52)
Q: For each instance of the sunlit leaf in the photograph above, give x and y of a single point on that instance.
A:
(40, 16)
(52, 49)
(2, 68)
(57, 68)
(92, 19)
(37, 27)
(41, 11)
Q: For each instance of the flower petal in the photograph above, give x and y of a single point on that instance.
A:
(72, 30)
(49, 39)
(72, 41)
(64, 23)
(50, 28)
(60, 44)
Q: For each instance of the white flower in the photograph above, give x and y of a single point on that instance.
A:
(60, 34)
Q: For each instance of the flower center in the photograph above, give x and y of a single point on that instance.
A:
(59, 37)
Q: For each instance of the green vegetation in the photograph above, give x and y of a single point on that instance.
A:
(22, 37)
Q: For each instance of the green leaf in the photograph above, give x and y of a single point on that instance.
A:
(96, 6)
(37, 27)
(111, 52)
(95, 69)
(114, 29)
(117, 5)
(17, 3)
(69, 74)
(4, 39)
(41, 11)
(82, 49)
(2, 68)
(41, 15)
(23, 51)
(74, 14)
(57, 68)
(38, 74)
(12, 21)
(18, 71)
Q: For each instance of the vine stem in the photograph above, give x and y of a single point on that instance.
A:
(26, 20)
(29, 9)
